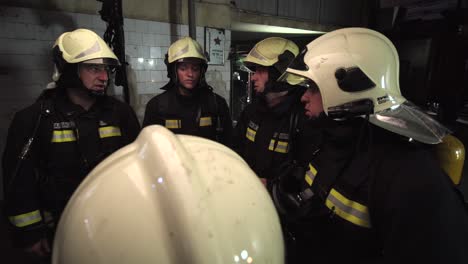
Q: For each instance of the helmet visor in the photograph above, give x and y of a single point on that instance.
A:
(408, 120)
(105, 61)
(295, 79)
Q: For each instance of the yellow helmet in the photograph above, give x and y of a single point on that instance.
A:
(185, 48)
(80, 46)
(272, 52)
(169, 198)
(83, 45)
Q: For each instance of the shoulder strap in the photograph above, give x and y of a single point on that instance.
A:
(43, 108)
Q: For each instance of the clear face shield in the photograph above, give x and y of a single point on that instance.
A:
(409, 120)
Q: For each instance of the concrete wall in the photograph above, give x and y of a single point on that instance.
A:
(26, 38)
(213, 13)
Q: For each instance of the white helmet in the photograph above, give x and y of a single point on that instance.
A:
(357, 72)
(169, 198)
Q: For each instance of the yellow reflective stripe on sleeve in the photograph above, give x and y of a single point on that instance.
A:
(205, 121)
(310, 175)
(109, 131)
(173, 124)
(250, 134)
(26, 219)
(349, 210)
(281, 147)
(60, 136)
(272, 145)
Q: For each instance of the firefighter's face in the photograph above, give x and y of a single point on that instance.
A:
(94, 76)
(188, 74)
(260, 78)
(312, 100)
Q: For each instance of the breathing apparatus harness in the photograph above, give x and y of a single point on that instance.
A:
(293, 202)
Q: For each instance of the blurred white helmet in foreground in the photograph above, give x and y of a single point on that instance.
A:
(170, 199)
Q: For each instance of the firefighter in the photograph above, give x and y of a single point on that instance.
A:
(188, 105)
(170, 199)
(374, 192)
(267, 128)
(54, 143)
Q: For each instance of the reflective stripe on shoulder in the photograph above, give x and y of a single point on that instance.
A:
(349, 210)
(109, 131)
(250, 134)
(23, 220)
(61, 136)
(205, 121)
(281, 147)
(310, 175)
(173, 124)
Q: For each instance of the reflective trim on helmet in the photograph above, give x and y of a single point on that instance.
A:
(254, 53)
(173, 124)
(23, 220)
(310, 175)
(206, 121)
(250, 134)
(179, 53)
(281, 146)
(109, 131)
(61, 136)
(95, 48)
(347, 209)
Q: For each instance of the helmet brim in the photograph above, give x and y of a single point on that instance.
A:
(105, 61)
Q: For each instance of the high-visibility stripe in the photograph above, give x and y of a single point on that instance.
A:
(173, 124)
(349, 210)
(272, 144)
(281, 147)
(109, 131)
(60, 136)
(205, 121)
(250, 134)
(23, 220)
(310, 175)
